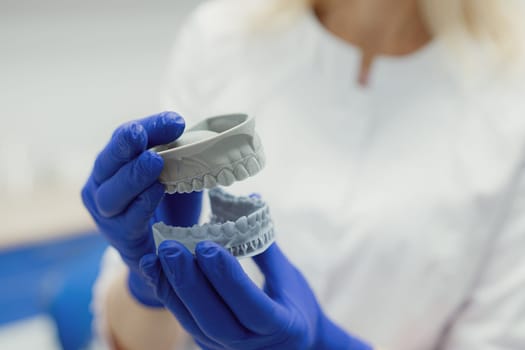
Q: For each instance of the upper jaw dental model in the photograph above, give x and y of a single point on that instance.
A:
(218, 151)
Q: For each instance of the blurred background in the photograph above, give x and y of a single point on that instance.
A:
(70, 72)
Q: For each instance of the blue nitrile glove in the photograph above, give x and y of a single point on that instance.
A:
(218, 304)
(122, 194)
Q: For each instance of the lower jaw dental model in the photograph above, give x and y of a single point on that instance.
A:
(218, 151)
(242, 225)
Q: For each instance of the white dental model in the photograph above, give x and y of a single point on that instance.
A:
(242, 225)
(217, 151)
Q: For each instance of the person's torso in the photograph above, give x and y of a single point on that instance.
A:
(386, 197)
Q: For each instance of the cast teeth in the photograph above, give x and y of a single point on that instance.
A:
(242, 224)
(228, 228)
(225, 177)
(252, 219)
(215, 230)
(184, 187)
(178, 232)
(253, 166)
(197, 185)
(209, 181)
(244, 236)
(240, 172)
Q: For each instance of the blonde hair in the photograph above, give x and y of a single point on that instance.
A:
(494, 24)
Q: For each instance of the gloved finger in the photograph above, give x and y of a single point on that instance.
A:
(127, 142)
(115, 194)
(163, 127)
(88, 196)
(132, 138)
(180, 209)
(207, 308)
(140, 211)
(151, 268)
(276, 268)
(254, 309)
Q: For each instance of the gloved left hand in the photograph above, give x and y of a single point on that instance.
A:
(124, 196)
(219, 305)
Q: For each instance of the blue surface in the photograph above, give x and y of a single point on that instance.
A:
(44, 277)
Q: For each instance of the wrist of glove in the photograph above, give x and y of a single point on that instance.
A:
(219, 305)
(142, 291)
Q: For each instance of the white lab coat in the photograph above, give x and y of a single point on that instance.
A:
(403, 203)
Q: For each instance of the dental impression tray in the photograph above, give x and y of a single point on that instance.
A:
(217, 151)
(242, 225)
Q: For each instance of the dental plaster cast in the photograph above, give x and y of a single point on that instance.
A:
(217, 151)
(242, 225)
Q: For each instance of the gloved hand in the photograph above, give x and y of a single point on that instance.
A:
(123, 193)
(218, 304)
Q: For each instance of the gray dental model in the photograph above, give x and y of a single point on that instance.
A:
(242, 225)
(218, 151)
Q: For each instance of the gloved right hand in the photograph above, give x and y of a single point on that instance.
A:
(123, 193)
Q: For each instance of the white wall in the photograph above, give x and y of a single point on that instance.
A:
(70, 71)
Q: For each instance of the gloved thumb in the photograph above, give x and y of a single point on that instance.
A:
(150, 268)
(276, 268)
